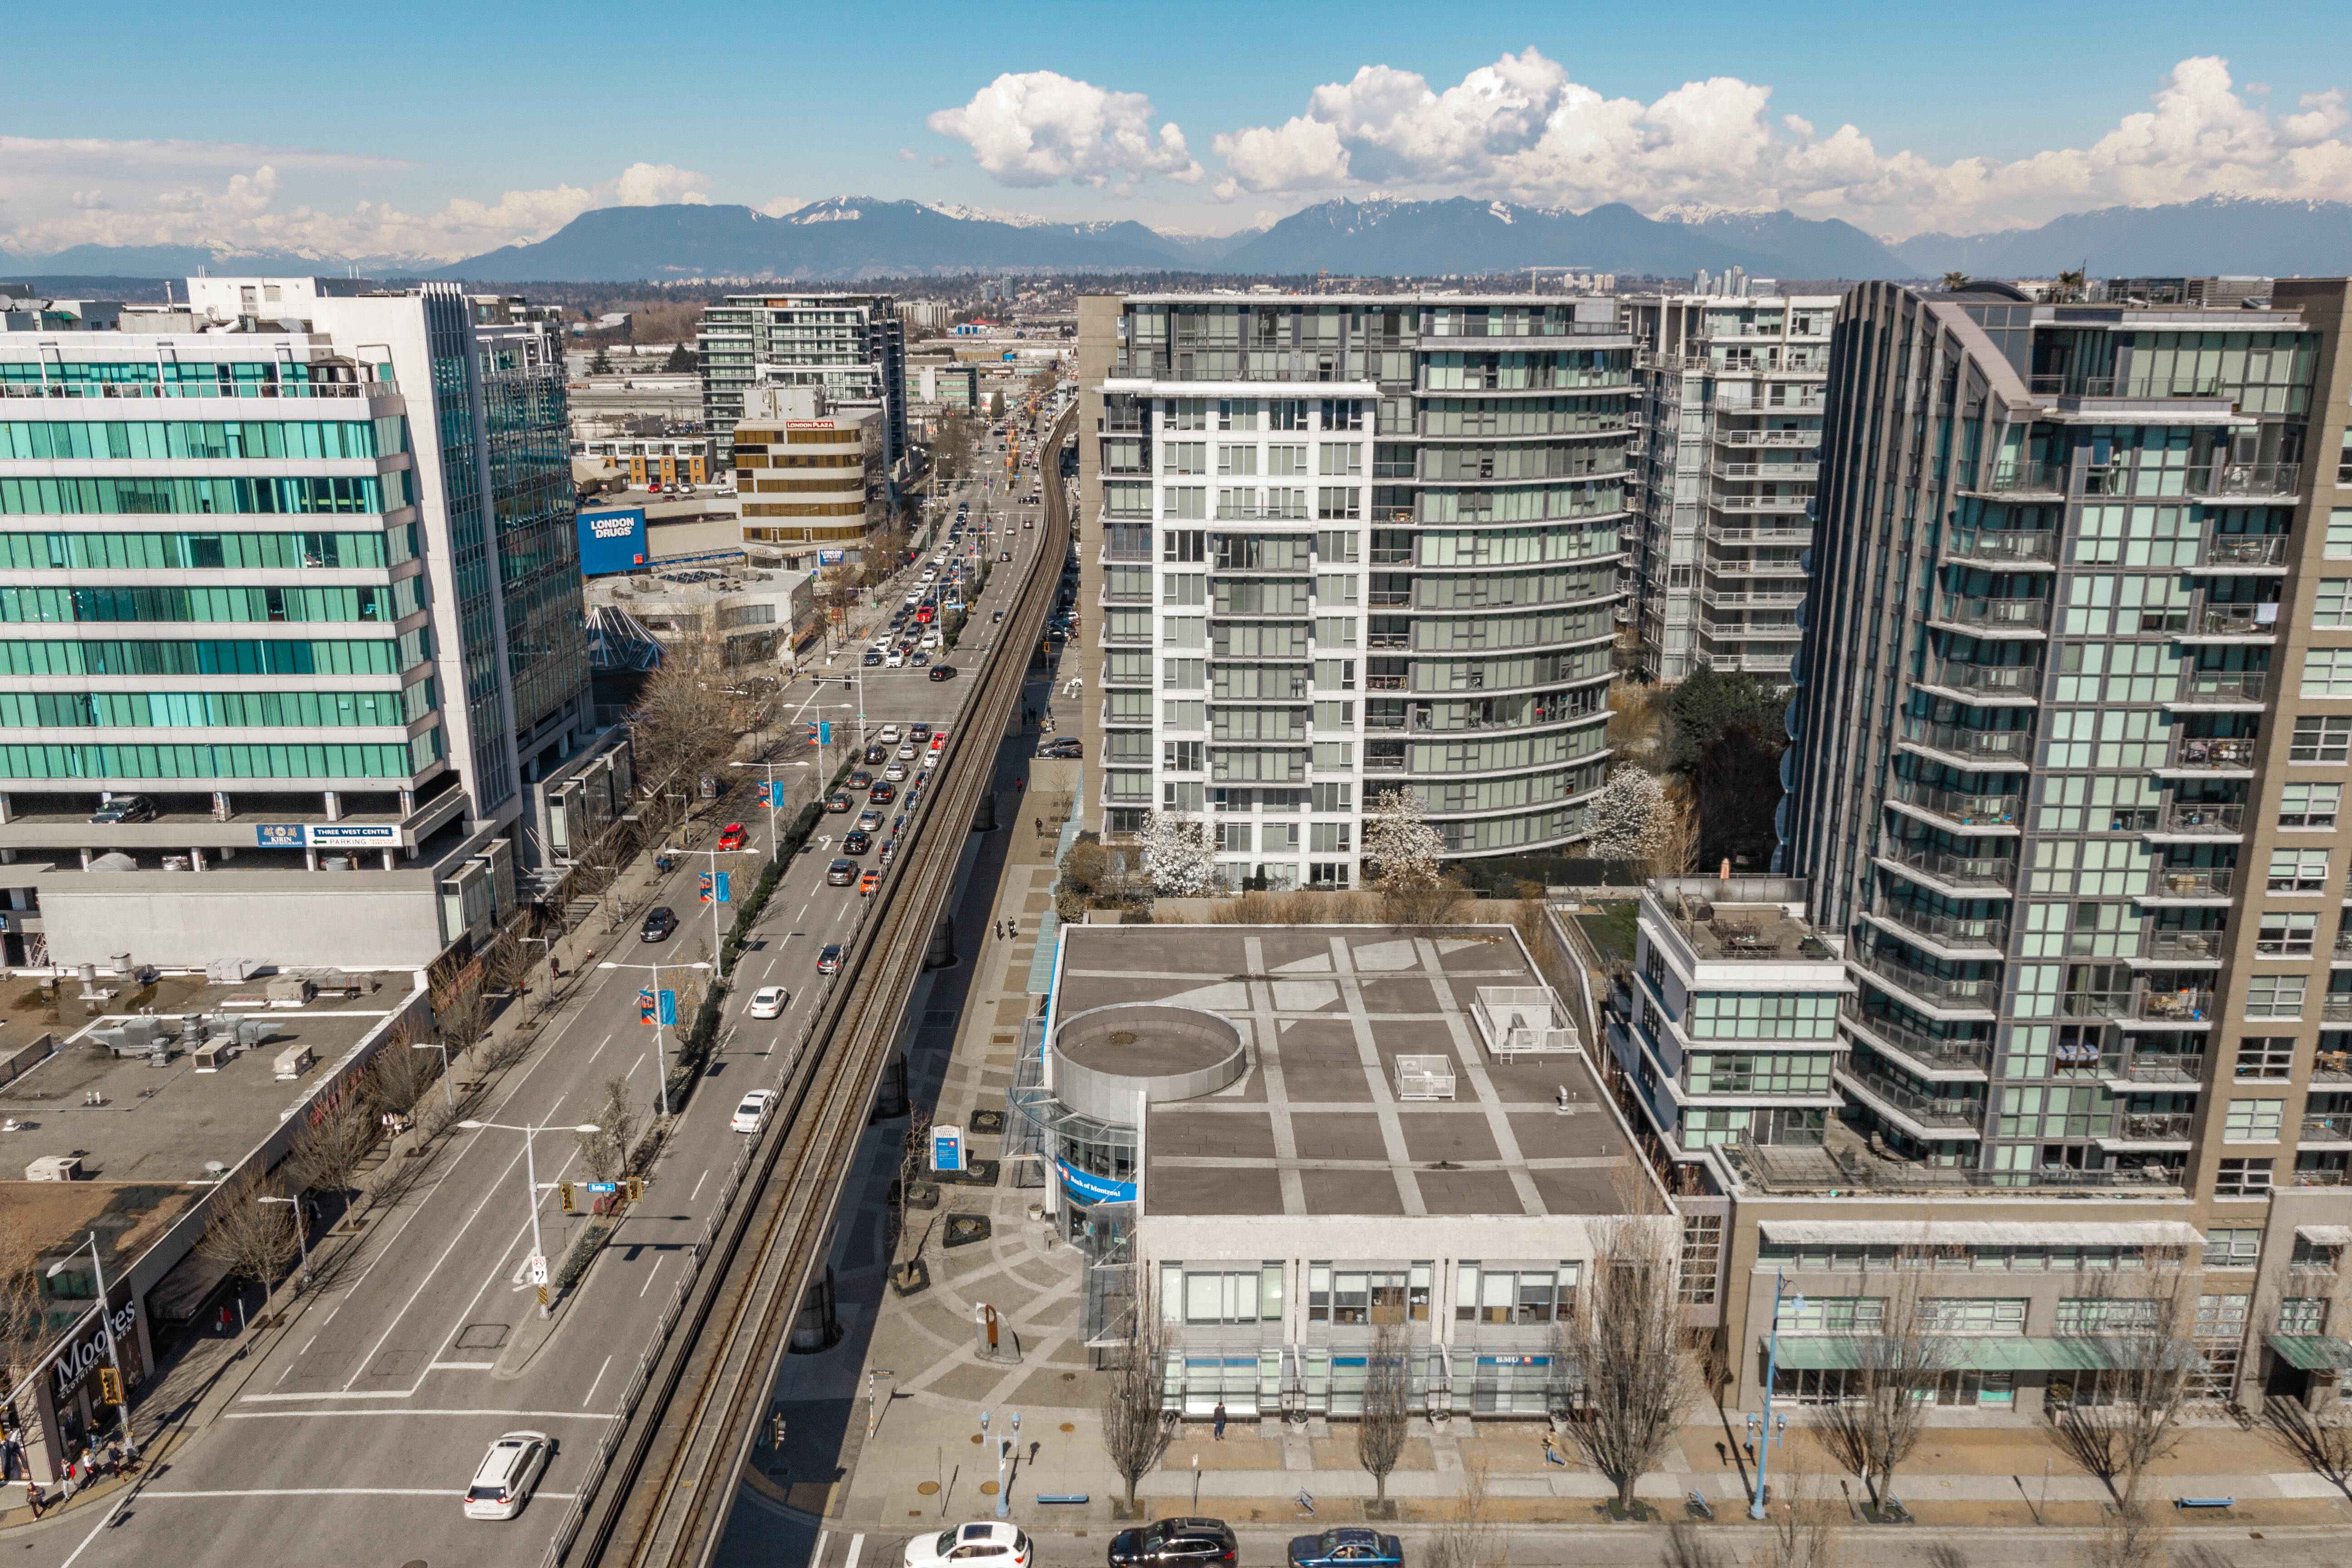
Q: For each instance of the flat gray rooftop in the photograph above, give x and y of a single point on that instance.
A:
(1315, 1126)
(152, 1124)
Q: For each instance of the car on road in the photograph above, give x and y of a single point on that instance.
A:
(828, 959)
(875, 753)
(859, 779)
(918, 658)
(1028, 522)
(988, 1543)
(751, 1111)
(943, 672)
(896, 773)
(868, 882)
(503, 1482)
(1174, 1543)
(871, 658)
(931, 761)
(660, 920)
(768, 1001)
(890, 735)
(1004, 555)
(125, 808)
(883, 793)
(1064, 748)
(837, 801)
(1349, 1546)
(730, 837)
(894, 659)
(870, 818)
(856, 843)
(919, 731)
(996, 617)
(906, 752)
(842, 872)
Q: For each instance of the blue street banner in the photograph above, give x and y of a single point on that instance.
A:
(670, 1008)
(649, 1011)
(725, 883)
(771, 795)
(824, 731)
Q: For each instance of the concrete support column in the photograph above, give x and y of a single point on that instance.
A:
(85, 858)
(407, 802)
(195, 860)
(389, 863)
(942, 953)
(7, 806)
(335, 805)
(309, 857)
(221, 811)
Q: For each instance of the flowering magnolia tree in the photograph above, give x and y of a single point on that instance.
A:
(1628, 815)
(1177, 856)
(1402, 861)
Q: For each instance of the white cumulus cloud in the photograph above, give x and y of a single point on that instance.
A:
(1523, 130)
(1040, 128)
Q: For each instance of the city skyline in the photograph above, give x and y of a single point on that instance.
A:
(1153, 121)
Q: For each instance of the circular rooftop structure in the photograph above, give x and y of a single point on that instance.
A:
(1102, 1058)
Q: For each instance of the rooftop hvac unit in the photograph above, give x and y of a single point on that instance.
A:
(1425, 1078)
(54, 1168)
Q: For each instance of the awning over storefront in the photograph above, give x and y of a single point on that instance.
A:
(2312, 1353)
(1961, 1352)
(1982, 1232)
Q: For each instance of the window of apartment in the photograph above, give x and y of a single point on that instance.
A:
(1702, 1261)
(1184, 457)
(1237, 414)
(1184, 588)
(2233, 1247)
(2265, 1056)
(2286, 934)
(1286, 462)
(1340, 459)
(2298, 871)
(2303, 1315)
(1758, 1016)
(2321, 738)
(2220, 1341)
(1234, 837)
(1187, 413)
(1336, 546)
(2242, 1177)
(1182, 756)
(2252, 1121)
(1832, 1314)
(1335, 675)
(2327, 672)
(2332, 610)
(1972, 1314)
(2108, 1314)
(1514, 1293)
(1335, 587)
(1240, 460)
(1331, 837)
(2310, 805)
(1184, 544)
(1287, 414)
(1332, 797)
(1221, 1296)
(1184, 674)
(2343, 473)
(2274, 997)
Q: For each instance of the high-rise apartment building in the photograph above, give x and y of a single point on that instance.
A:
(1348, 545)
(2070, 743)
(1731, 416)
(328, 528)
(850, 347)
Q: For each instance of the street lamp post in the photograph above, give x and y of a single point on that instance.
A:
(301, 1231)
(106, 1327)
(775, 844)
(661, 1049)
(448, 1089)
(1771, 1371)
(717, 944)
(530, 1179)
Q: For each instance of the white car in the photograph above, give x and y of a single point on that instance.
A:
(509, 1471)
(895, 773)
(752, 1113)
(988, 1543)
(931, 761)
(889, 735)
(768, 1001)
(906, 752)
(893, 659)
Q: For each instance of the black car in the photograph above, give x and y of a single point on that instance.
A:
(943, 672)
(1351, 1545)
(125, 808)
(882, 793)
(1174, 1543)
(1063, 749)
(860, 779)
(871, 658)
(919, 731)
(837, 801)
(854, 842)
(660, 920)
(876, 755)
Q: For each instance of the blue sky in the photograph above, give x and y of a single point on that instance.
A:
(436, 129)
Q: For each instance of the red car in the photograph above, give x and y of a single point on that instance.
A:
(731, 837)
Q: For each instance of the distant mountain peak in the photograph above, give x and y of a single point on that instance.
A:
(1709, 212)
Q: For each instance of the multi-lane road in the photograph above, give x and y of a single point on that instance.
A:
(352, 1434)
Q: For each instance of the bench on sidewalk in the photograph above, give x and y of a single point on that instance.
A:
(1073, 1499)
(2204, 1502)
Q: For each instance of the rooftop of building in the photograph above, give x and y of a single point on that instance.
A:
(1315, 1126)
(131, 1118)
(1731, 919)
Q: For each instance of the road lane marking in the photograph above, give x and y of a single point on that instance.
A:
(698, 1185)
(339, 1491)
(656, 1268)
(463, 1367)
(586, 1398)
(816, 1553)
(121, 1503)
(856, 1545)
(600, 1047)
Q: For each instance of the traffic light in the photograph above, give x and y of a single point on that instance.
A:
(634, 1186)
(566, 1189)
(110, 1385)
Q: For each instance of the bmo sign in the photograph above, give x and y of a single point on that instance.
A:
(611, 541)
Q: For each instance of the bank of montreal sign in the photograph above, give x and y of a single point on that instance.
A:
(1094, 1189)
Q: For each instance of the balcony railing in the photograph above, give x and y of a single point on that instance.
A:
(2244, 550)
(1809, 439)
(1993, 679)
(2217, 686)
(2212, 752)
(2219, 818)
(1934, 1050)
(382, 386)
(1385, 682)
(2134, 387)
(1989, 871)
(1959, 741)
(2192, 882)
(1759, 503)
(1932, 1110)
(2328, 1128)
(2153, 1127)
(1950, 931)
(2024, 615)
(2236, 621)
(2248, 480)
(2003, 544)
(2335, 1008)
(2044, 479)
(2161, 1067)
(1722, 534)
(2182, 1004)
(1941, 989)
(1785, 472)
(2186, 946)
(1960, 808)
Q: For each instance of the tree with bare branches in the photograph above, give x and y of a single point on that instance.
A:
(252, 1239)
(1804, 1529)
(1891, 1388)
(1472, 1538)
(2135, 1535)
(24, 1315)
(604, 1154)
(1635, 1379)
(2133, 1417)
(1136, 1426)
(1388, 1405)
(684, 724)
(328, 1149)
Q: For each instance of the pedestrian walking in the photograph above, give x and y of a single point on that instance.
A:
(1552, 1455)
(68, 1486)
(1217, 1422)
(34, 1499)
(227, 1319)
